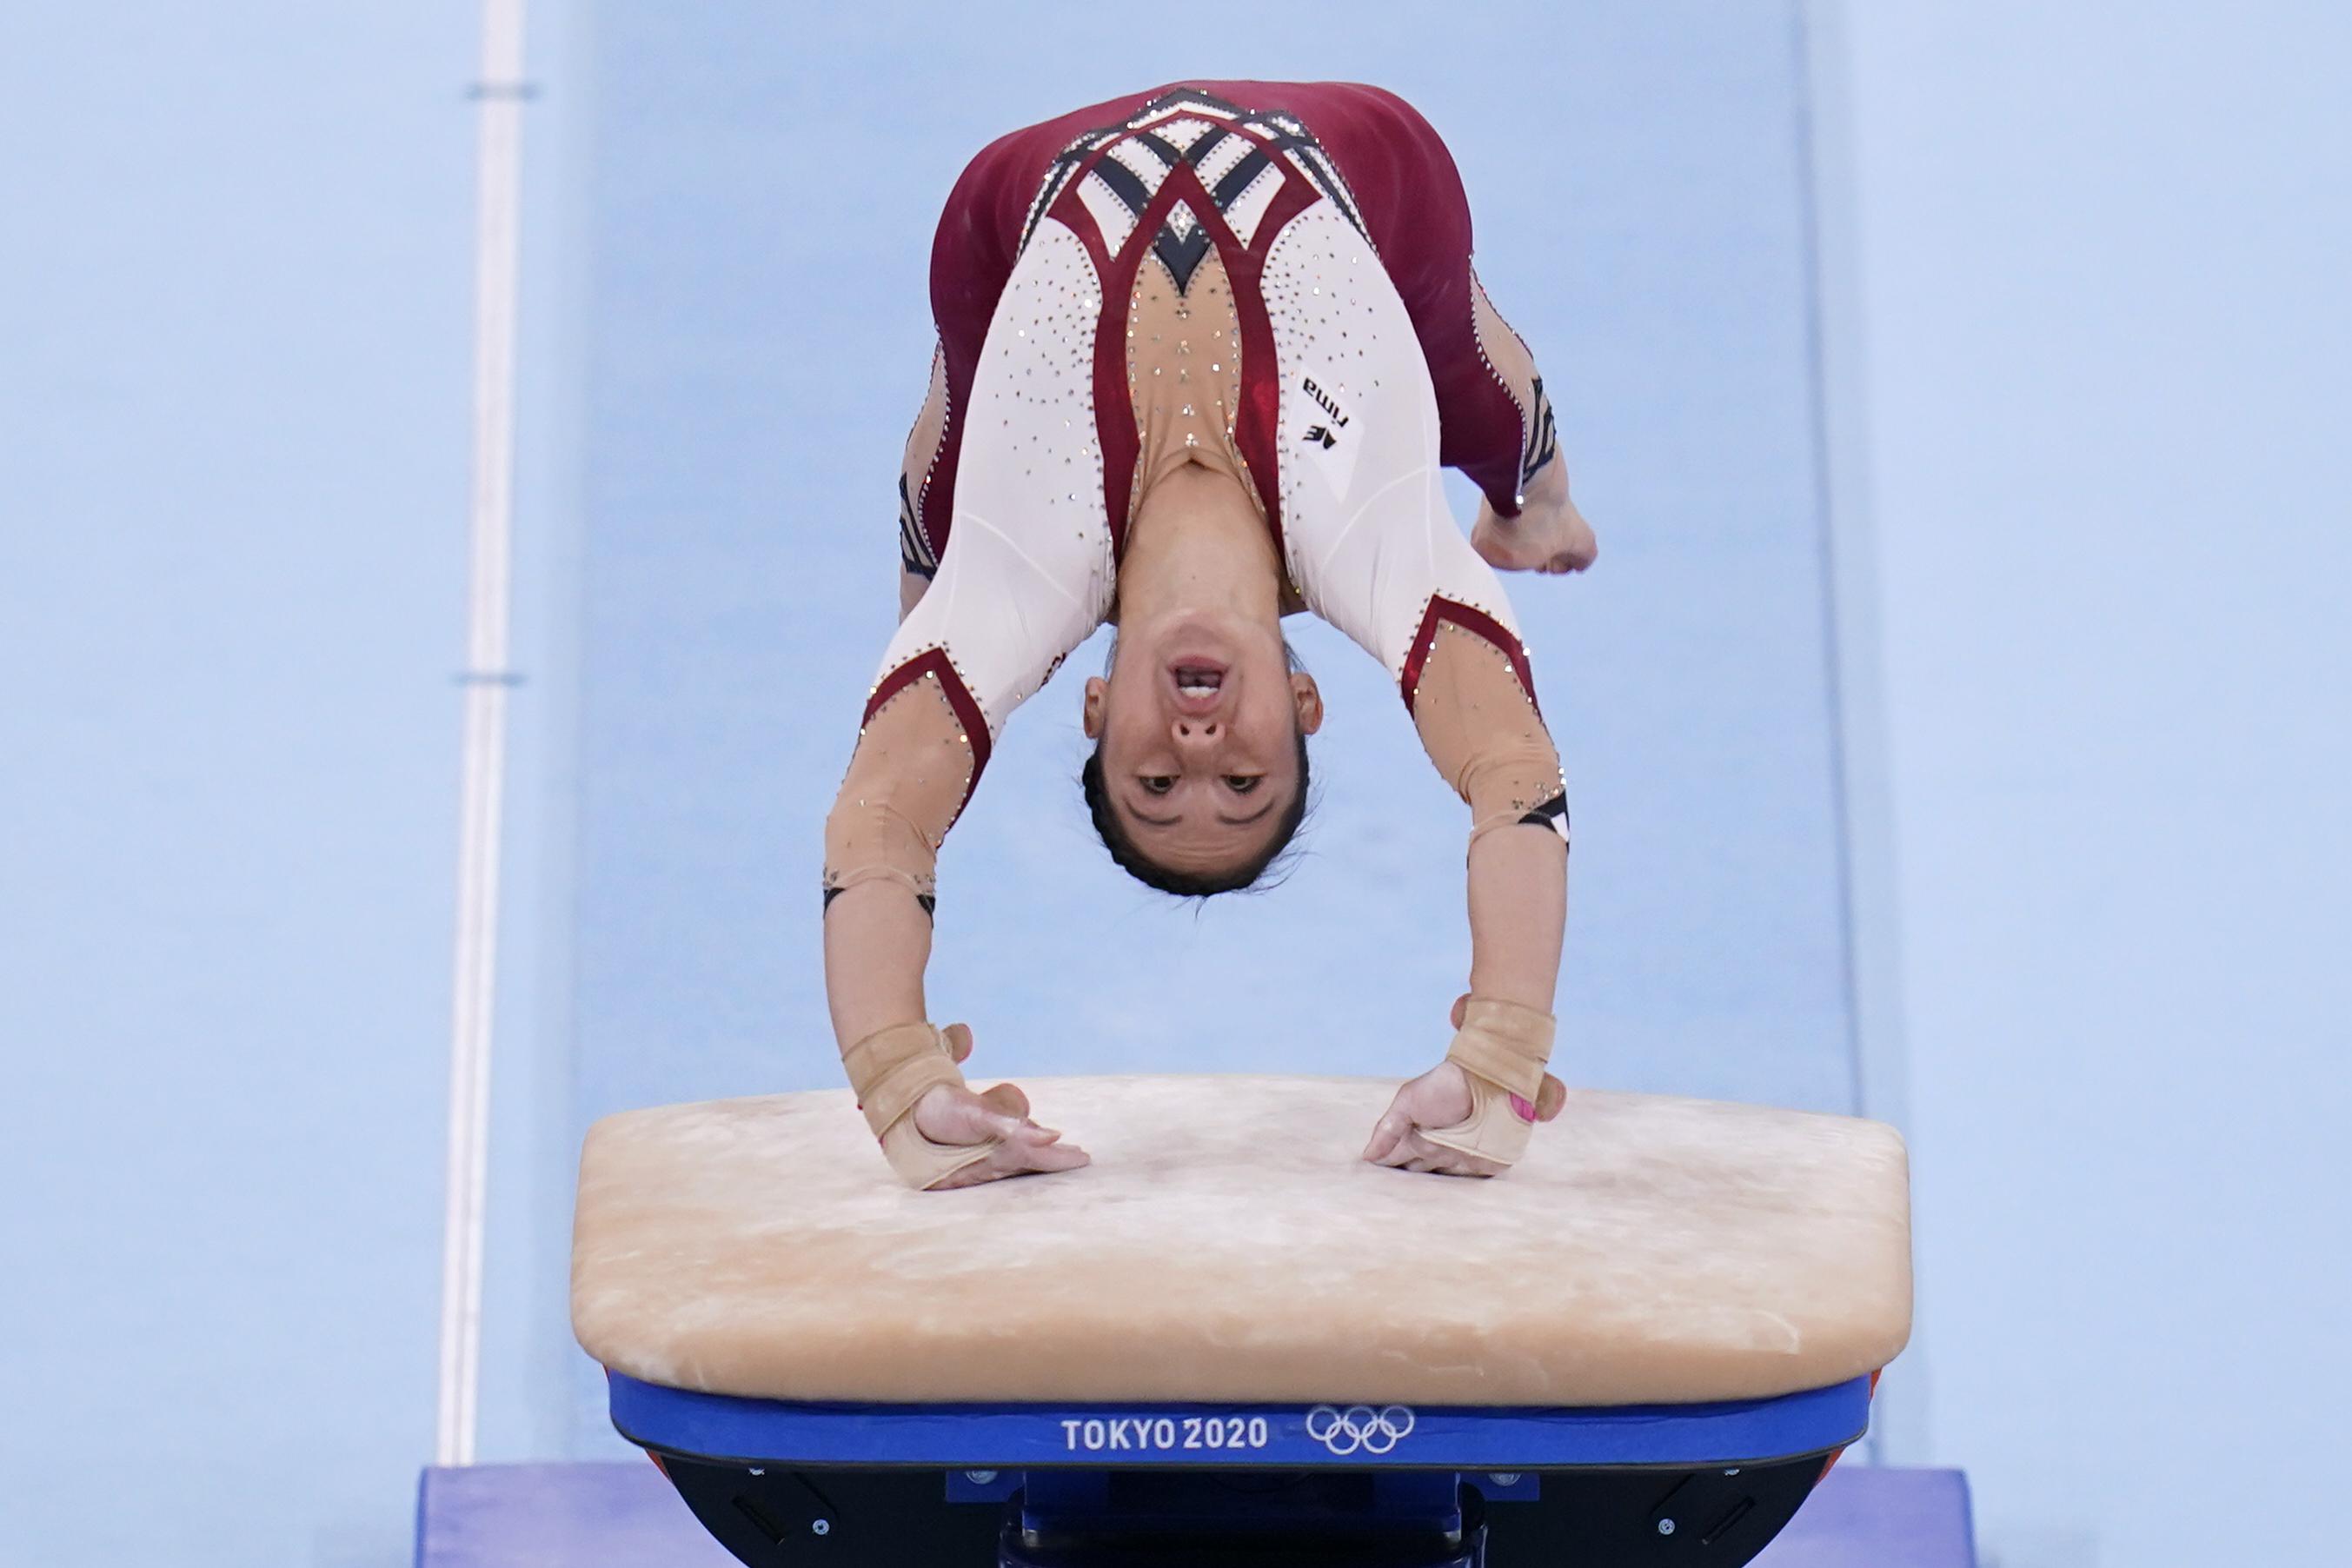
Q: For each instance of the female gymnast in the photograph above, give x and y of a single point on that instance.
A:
(1202, 352)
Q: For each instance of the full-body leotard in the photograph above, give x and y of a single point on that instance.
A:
(1273, 279)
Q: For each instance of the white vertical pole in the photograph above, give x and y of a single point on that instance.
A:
(499, 95)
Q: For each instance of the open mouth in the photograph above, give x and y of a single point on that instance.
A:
(1199, 681)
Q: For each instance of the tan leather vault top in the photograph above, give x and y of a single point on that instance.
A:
(1227, 1244)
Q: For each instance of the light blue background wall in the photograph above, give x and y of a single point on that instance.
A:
(235, 318)
(234, 312)
(2098, 328)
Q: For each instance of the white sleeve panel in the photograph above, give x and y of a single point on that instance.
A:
(1027, 574)
(1367, 532)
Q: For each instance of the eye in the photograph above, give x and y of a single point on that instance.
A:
(1240, 783)
(1158, 783)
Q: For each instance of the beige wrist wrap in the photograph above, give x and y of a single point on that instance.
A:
(1502, 1048)
(891, 1070)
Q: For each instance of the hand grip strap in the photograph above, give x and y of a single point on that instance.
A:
(891, 1070)
(1502, 1048)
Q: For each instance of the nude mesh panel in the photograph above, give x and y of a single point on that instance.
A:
(1480, 729)
(1185, 366)
(905, 783)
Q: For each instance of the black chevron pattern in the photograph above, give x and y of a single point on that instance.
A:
(1182, 253)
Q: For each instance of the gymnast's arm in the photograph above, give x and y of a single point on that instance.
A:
(908, 778)
(907, 781)
(984, 617)
(913, 768)
(1470, 1116)
(881, 842)
(890, 846)
(1485, 737)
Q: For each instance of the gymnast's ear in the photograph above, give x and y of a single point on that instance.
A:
(1309, 698)
(1090, 716)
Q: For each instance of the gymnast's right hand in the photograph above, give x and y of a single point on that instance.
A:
(952, 1116)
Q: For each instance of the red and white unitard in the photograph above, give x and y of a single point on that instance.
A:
(1269, 278)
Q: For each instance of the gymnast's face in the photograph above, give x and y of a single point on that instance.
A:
(1198, 724)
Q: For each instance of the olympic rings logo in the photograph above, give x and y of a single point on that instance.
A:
(1360, 1428)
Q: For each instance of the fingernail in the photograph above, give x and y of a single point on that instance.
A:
(1521, 1109)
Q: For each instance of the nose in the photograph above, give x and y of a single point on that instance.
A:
(1191, 734)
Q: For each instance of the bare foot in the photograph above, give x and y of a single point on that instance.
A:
(1549, 534)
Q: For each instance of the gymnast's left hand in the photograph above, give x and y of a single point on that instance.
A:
(953, 1116)
(1440, 1097)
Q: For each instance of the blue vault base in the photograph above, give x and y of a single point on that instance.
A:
(624, 1515)
(1010, 1439)
(778, 1484)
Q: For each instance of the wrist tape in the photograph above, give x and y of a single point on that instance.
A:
(1502, 1048)
(891, 1070)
